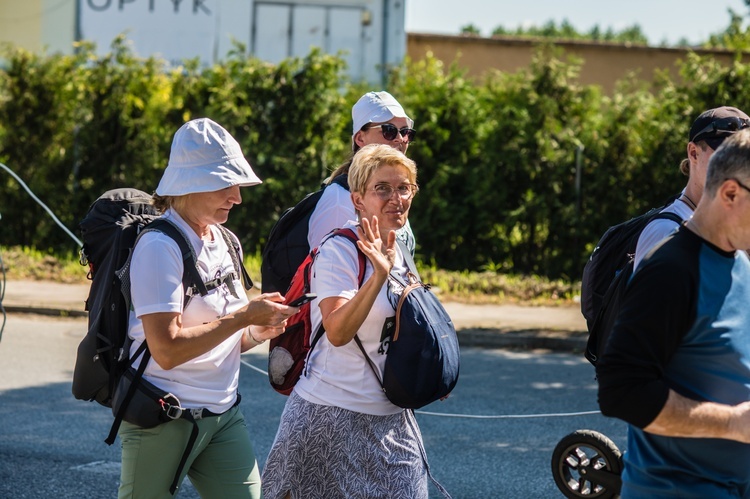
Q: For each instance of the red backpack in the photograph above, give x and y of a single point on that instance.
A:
(288, 352)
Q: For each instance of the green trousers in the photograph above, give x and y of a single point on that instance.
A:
(221, 465)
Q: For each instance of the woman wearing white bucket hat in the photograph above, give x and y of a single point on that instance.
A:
(196, 350)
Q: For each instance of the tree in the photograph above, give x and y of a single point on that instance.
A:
(735, 37)
(566, 30)
(470, 30)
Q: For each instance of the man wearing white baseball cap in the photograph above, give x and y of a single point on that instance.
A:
(377, 118)
(195, 348)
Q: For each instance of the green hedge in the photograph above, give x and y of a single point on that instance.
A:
(519, 173)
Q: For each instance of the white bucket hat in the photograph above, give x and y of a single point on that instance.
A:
(376, 107)
(204, 158)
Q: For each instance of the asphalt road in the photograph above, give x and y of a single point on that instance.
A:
(51, 445)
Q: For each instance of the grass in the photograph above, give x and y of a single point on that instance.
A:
(22, 263)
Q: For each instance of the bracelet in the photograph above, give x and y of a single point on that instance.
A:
(252, 338)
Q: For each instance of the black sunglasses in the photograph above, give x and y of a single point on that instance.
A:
(721, 126)
(390, 131)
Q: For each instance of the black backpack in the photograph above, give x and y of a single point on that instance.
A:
(607, 273)
(287, 244)
(109, 231)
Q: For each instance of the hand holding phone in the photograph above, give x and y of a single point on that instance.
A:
(308, 297)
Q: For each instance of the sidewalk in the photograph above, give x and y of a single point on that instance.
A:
(491, 326)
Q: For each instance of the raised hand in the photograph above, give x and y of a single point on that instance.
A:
(382, 256)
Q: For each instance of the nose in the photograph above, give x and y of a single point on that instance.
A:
(400, 143)
(234, 195)
(395, 197)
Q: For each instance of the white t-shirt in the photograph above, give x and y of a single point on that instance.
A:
(334, 209)
(658, 229)
(209, 380)
(341, 376)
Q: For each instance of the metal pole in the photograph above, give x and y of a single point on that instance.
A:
(579, 159)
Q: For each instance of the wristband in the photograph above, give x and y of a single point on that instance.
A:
(252, 337)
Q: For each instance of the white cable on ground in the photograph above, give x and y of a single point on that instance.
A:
(474, 416)
(33, 196)
(258, 369)
(509, 416)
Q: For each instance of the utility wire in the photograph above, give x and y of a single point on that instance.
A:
(57, 221)
(33, 196)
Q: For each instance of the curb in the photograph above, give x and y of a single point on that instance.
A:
(518, 339)
(526, 339)
(47, 311)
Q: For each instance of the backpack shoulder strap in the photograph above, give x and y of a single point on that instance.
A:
(191, 278)
(361, 258)
(236, 255)
(342, 180)
(668, 215)
(351, 236)
(409, 259)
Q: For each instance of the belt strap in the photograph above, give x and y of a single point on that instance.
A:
(142, 349)
(188, 448)
(197, 414)
(193, 415)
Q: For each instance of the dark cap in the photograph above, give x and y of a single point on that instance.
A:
(702, 128)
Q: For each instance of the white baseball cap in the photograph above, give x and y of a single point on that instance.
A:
(376, 107)
(204, 158)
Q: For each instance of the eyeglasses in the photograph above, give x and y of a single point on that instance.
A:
(738, 183)
(390, 131)
(723, 125)
(404, 191)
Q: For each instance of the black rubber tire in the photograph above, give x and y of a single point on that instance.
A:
(581, 452)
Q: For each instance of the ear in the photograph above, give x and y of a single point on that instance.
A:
(729, 190)
(359, 138)
(692, 152)
(358, 201)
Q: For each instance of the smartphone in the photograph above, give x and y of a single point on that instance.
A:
(302, 300)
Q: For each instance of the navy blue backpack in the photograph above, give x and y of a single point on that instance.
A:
(422, 360)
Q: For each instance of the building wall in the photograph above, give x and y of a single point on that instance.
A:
(603, 64)
(58, 25)
(19, 23)
(52, 25)
(369, 33)
(38, 25)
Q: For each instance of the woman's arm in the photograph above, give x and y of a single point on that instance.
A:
(343, 317)
(257, 335)
(171, 344)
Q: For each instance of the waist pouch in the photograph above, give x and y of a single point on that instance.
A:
(148, 406)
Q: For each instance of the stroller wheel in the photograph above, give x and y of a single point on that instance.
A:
(587, 464)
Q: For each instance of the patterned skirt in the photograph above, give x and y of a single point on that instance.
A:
(329, 452)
